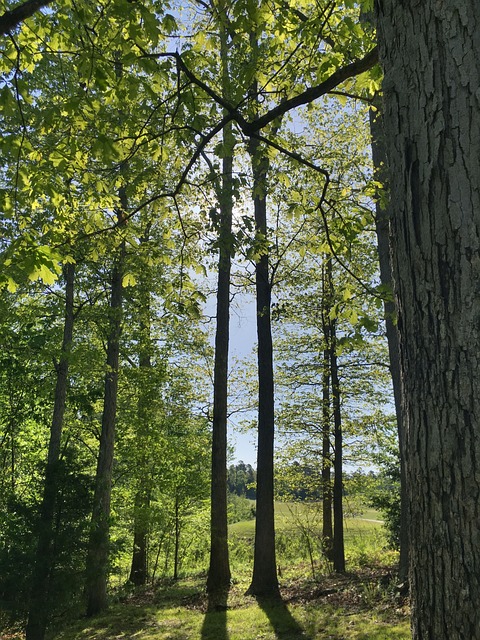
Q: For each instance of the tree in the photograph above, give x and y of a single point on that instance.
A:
(432, 131)
(11, 19)
(40, 600)
(264, 578)
(382, 223)
(219, 576)
(98, 550)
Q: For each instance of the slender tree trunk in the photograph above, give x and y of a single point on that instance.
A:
(338, 551)
(264, 579)
(219, 569)
(327, 523)
(382, 226)
(430, 52)
(44, 560)
(177, 540)
(219, 576)
(139, 567)
(98, 545)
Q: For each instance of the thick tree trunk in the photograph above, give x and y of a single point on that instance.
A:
(382, 226)
(98, 552)
(44, 560)
(430, 52)
(264, 579)
(219, 570)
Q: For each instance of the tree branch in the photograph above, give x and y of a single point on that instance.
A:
(11, 19)
(309, 95)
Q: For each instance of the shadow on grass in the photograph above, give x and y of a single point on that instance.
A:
(214, 625)
(282, 621)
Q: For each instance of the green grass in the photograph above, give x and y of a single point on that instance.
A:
(286, 514)
(180, 613)
(317, 604)
(365, 540)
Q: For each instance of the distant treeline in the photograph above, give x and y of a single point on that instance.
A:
(242, 479)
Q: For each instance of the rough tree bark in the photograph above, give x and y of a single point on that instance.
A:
(44, 559)
(430, 52)
(139, 566)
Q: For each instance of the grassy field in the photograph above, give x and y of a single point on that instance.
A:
(317, 604)
(298, 533)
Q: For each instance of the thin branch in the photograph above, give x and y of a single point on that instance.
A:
(364, 286)
(309, 95)
(353, 96)
(293, 154)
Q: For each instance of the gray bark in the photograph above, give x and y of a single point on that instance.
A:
(430, 52)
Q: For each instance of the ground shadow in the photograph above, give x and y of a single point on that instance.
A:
(282, 621)
(214, 625)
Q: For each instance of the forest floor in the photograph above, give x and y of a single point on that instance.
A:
(357, 606)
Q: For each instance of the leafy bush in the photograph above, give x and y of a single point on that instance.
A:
(240, 508)
(385, 497)
(19, 524)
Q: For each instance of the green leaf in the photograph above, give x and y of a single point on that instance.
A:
(43, 273)
(129, 280)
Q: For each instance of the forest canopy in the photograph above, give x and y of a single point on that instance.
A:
(162, 158)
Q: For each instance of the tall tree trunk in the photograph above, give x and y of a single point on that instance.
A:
(430, 52)
(264, 579)
(327, 522)
(382, 226)
(338, 551)
(139, 567)
(176, 552)
(98, 544)
(219, 576)
(44, 560)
